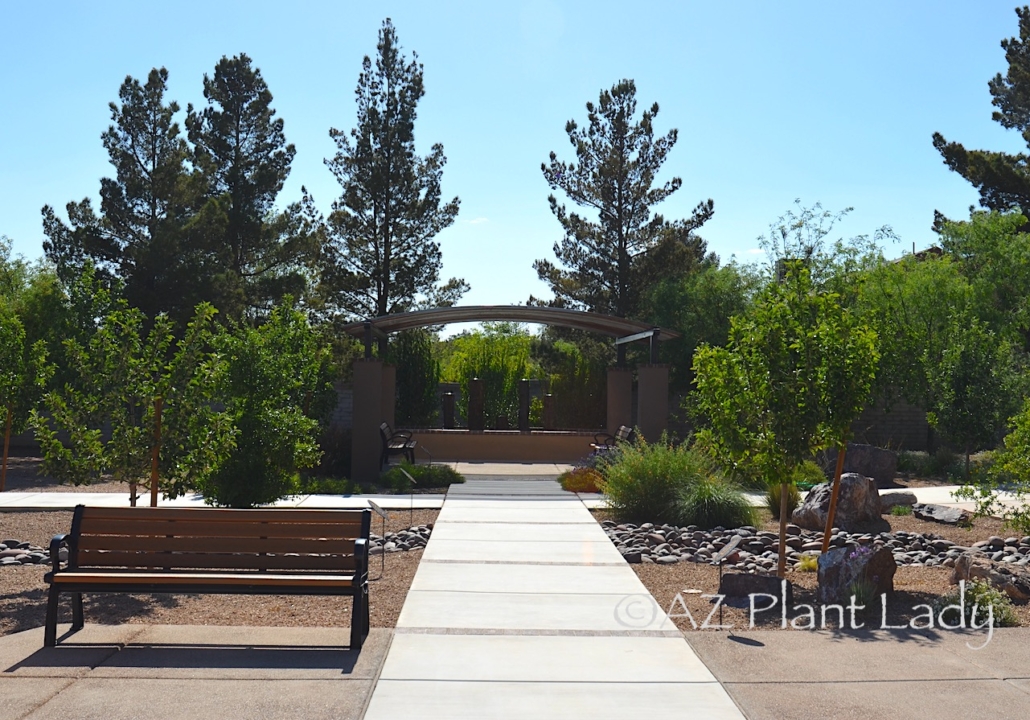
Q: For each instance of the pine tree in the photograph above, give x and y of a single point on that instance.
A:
(239, 144)
(609, 262)
(1003, 180)
(146, 234)
(384, 257)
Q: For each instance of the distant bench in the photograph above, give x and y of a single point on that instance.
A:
(212, 551)
(395, 443)
(604, 441)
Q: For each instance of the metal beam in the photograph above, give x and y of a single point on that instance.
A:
(651, 334)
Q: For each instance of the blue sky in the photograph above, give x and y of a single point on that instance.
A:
(826, 102)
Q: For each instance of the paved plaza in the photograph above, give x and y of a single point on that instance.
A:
(521, 607)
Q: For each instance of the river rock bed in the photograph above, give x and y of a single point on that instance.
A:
(19, 552)
(758, 550)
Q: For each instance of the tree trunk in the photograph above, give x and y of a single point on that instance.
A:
(781, 566)
(833, 497)
(7, 446)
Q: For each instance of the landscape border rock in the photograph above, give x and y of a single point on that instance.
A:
(940, 513)
(1015, 583)
(890, 500)
(844, 571)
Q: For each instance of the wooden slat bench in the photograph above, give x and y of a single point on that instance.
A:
(170, 550)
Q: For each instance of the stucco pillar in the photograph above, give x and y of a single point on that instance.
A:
(366, 446)
(477, 400)
(390, 394)
(620, 398)
(652, 400)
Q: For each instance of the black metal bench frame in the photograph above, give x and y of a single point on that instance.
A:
(605, 441)
(395, 443)
(210, 580)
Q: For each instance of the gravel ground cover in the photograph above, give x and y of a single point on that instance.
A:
(23, 592)
(672, 583)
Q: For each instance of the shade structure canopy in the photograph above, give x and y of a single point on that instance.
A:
(593, 322)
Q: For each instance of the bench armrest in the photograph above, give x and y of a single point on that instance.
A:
(361, 559)
(604, 439)
(55, 550)
(401, 434)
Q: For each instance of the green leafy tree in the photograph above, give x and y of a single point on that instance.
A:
(992, 253)
(500, 357)
(804, 234)
(609, 259)
(23, 376)
(579, 384)
(910, 303)
(974, 387)
(797, 369)
(383, 256)
(122, 381)
(258, 254)
(1005, 491)
(1002, 179)
(418, 378)
(146, 233)
(276, 388)
(699, 306)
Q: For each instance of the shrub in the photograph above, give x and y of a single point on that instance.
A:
(808, 563)
(808, 475)
(772, 499)
(322, 485)
(335, 444)
(979, 594)
(710, 501)
(426, 477)
(643, 483)
(660, 483)
(581, 480)
(901, 510)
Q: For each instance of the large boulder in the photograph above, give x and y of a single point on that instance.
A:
(941, 513)
(859, 501)
(1015, 582)
(878, 463)
(893, 499)
(862, 571)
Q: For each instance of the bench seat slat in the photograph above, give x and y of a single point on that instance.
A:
(161, 543)
(188, 528)
(92, 558)
(221, 516)
(173, 579)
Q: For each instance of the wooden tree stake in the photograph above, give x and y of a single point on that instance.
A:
(781, 565)
(833, 497)
(155, 452)
(7, 445)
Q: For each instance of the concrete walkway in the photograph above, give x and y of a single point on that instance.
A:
(522, 608)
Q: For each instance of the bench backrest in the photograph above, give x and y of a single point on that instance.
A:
(217, 539)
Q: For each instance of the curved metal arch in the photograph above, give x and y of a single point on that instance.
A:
(625, 331)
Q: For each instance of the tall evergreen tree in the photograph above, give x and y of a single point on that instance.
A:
(609, 262)
(146, 233)
(383, 257)
(1002, 179)
(258, 254)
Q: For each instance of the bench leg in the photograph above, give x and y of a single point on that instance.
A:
(50, 629)
(359, 621)
(78, 619)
